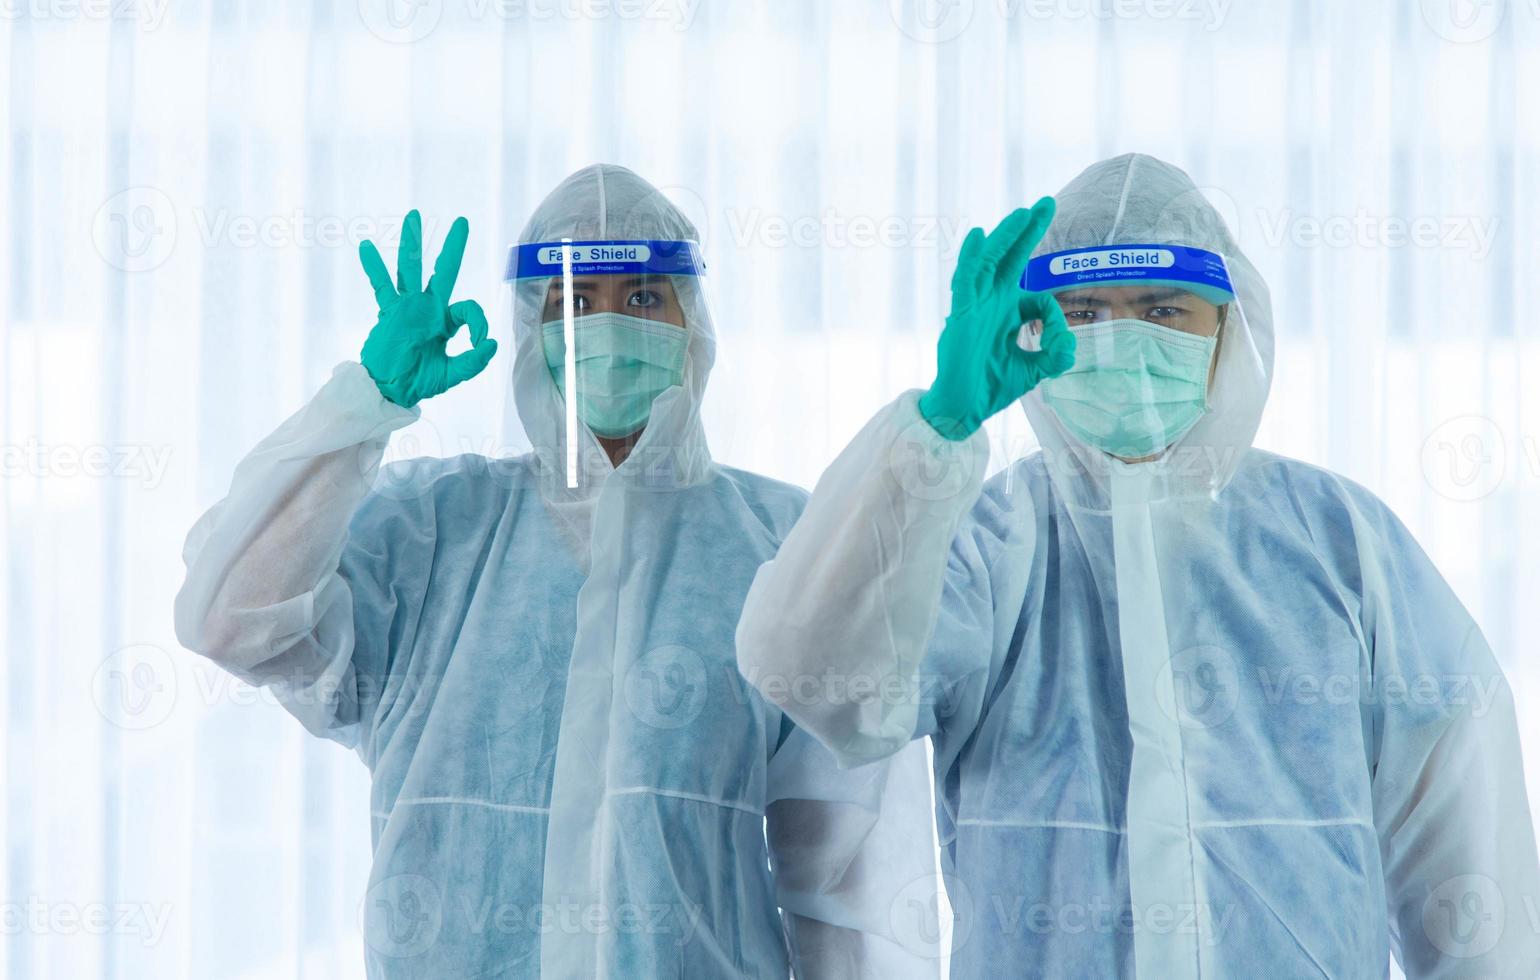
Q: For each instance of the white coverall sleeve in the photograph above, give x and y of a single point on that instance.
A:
(854, 864)
(263, 597)
(1462, 881)
(834, 629)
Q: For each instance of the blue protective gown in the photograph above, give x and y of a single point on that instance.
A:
(465, 603)
(1333, 724)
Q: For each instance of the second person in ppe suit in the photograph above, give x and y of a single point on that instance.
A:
(534, 655)
(1198, 710)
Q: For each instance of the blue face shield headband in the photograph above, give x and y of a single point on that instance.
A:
(1197, 270)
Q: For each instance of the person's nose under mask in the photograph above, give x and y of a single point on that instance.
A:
(622, 363)
(1136, 387)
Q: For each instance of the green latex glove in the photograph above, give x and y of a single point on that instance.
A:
(980, 368)
(406, 352)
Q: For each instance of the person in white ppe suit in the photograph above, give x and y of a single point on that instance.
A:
(533, 655)
(1198, 710)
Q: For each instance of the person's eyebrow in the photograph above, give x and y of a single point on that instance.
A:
(1082, 299)
(1161, 295)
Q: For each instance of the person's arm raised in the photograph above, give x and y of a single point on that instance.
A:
(265, 596)
(835, 628)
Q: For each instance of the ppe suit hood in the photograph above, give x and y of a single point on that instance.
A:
(1137, 199)
(604, 202)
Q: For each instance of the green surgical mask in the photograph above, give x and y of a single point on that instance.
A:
(623, 363)
(1136, 387)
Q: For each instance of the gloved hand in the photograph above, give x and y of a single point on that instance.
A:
(980, 368)
(405, 353)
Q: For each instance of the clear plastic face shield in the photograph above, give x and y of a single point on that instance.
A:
(1148, 322)
(612, 325)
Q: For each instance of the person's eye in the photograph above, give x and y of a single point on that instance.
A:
(1166, 313)
(1080, 316)
(646, 299)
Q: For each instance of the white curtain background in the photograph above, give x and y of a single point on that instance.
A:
(183, 186)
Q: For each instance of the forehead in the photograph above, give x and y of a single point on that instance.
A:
(627, 281)
(1135, 295)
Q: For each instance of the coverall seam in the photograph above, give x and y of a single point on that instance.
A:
(693, 797)
(460, 801)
